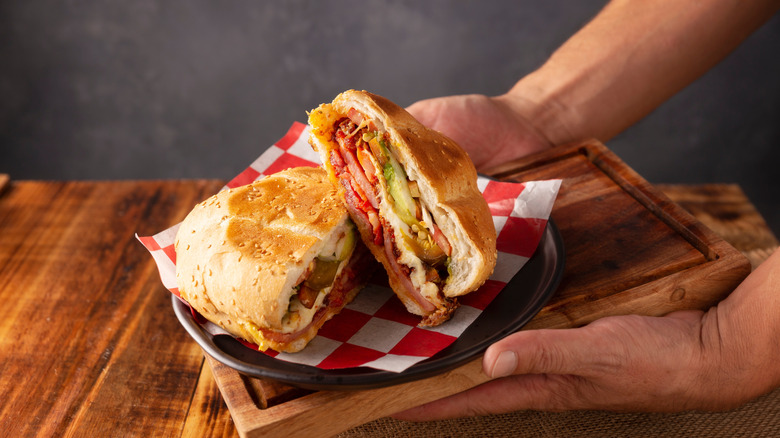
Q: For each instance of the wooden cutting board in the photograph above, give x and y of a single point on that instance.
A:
(629, 249)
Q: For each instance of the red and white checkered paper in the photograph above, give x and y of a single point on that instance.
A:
(375, 330)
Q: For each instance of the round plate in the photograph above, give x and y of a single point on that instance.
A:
(522, 298)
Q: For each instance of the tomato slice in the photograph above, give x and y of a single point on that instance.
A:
(441, 240)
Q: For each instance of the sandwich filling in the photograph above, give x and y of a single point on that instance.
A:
(381, 195)
(314, 288)
(328, 284)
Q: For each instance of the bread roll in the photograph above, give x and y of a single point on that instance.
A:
(246, 258)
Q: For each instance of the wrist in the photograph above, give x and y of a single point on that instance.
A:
(745, 328)
(739, 363)
(540, 106)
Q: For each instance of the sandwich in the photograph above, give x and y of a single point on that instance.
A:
(272, 261)
(412, 192)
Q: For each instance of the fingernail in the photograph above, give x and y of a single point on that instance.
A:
(505, 364)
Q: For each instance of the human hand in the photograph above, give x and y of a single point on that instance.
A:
(623, 363)
(486, 127)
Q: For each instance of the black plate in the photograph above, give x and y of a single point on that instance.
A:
(522, 298)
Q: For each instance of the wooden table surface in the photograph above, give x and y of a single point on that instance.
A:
(90, 345)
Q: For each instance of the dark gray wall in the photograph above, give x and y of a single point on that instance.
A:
(190, 89)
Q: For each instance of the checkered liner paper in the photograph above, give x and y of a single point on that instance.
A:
(375, 330)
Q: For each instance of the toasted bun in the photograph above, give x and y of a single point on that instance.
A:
(240, 252)
(446, 178)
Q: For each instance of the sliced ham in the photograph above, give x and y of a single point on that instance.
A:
(359, 175)
(361, 211)
(361, 207)
(364, 157)
(357, 119)
(403, 275)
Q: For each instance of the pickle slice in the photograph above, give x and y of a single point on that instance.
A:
(426, 249)
(323, 274)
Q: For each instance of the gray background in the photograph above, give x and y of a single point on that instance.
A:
(191, 89)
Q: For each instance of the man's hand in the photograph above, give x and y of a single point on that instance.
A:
(629, 59)
(624, 363)
(486, 127)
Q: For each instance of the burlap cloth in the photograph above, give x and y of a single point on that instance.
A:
(758, 418)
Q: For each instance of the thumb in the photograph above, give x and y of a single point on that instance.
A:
(545, 364)
(564, 351)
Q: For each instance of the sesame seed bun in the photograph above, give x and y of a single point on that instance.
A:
(240, 254)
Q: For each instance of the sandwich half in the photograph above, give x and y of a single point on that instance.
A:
(271, 261)
(413, 194)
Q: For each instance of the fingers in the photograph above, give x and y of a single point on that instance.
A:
(536, 369)
(538, 392)
(426, 111)
(616, 363)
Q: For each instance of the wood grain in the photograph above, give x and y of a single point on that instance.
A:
(629, 249)
(724, 209)
(87, 340)
(208, 415)
(90, 347)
